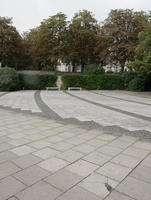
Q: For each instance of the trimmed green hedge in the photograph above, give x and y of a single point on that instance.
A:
(9, 79)
(128, 77)
(37, 81)
(73, 81)
(94, 82)
(148, 82)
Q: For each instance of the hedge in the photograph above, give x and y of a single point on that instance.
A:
(128, 77)
(148, 82)
(141, 82)
(73, 81)
(37, 81)
(9, 79)
(94, 82)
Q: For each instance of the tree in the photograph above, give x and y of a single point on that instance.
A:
(31, 57)
(143, 52)
(81, 40)
(49, 39)
(10, 44)
(119, 35)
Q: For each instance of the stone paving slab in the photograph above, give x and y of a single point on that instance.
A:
(135, 188)
(78, 193)
(39, 191)
(63, 179)
(114, 171)
(118, 196)
(95, 184)
(10, 186)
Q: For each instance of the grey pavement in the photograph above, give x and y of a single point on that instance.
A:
(68, 106)
(46, 159)
(22, 100)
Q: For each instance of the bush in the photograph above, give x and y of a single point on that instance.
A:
(73, 81)
(138, 83)
(111, 82)
(148, 82)
(37, 81)
(9, 79)
(128, 76)
(93, 82)
(94, 69)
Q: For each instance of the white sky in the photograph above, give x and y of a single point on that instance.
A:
(28, 14)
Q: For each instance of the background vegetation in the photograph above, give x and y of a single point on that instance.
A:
(9, 79)
(94, 82)
(122, 39)
(37, 81)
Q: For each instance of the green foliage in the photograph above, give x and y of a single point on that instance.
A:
(111, 82)
(9, 79)
(148, 82)
(94, 69)
(94, 82)
(118, 37)
(91, 82)
(37, 82)
(81, 39)
(142, 61)
(72, 81)
(45, 44)
(11, 46)
(128, 76)
(138, 83)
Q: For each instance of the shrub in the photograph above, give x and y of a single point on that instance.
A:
(93, 82)
(128, 76)
(73, 81)
(94, 69)
(138, 83)
(111, 82)
(36, 81)
(9, 79)
(148, 82)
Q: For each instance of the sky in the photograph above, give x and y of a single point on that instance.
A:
(28, 14)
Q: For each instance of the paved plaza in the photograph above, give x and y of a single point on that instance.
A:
(76, 145)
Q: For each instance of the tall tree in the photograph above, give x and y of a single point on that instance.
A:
(49, 39)
(31, 57)
(119, 34)
(10, 44)
(81, 39)
(143, 52)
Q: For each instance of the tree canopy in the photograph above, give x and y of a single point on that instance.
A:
(143, 52)
(10, 44)
(79, 42)
(81, 39)
(46, 41)
(118, 36)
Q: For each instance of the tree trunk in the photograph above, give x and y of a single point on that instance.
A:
(122, 67)
(73, 69)
(82, 67)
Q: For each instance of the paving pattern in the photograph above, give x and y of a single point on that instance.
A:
(22, 100)
(111, 111)
(42, 158)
